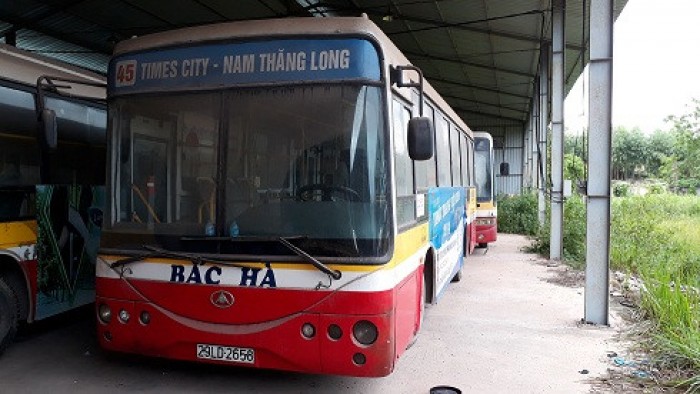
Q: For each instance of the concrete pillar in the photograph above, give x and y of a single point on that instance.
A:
(556, 245)
(599, 152)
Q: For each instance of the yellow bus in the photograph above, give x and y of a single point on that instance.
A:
(50, 201)
(486, 210)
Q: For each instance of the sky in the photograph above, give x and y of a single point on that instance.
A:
(656, 66)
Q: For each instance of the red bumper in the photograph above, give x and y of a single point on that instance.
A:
(486, 234)
(278, 344)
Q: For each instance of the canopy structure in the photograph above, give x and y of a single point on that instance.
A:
(483, 56)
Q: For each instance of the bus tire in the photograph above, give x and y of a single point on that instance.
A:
(9, 311)
(458, 275)
(483, 245)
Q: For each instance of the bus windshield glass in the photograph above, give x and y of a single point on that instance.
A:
(482, 169)
(296, 161)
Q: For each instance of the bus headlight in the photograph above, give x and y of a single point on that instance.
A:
(365, 332)
(145, 318)
(105, 313)
(124, 316)
(308, 330)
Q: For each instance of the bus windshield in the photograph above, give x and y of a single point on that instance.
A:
(296, 161)
(482, 169)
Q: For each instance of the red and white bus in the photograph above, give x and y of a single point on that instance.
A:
(51, 186)
(276, 198)
(486, 209)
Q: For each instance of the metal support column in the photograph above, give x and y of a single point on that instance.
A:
(527, 160)
(544, 122)
(535, 123)
(556, 245)
(599, 150)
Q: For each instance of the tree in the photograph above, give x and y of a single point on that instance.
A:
(683, 169)
(630, 150)
(661, 148)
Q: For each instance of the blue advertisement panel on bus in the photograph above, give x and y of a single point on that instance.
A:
(211, 66)
(447, 222)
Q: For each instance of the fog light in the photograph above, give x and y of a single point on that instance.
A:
(365, 332)
(105, 313)
(124, 316)
(359, 359)
(145, 317)
(335, 332)
(308, 330)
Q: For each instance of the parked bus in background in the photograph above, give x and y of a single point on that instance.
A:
(486, 212)
(51, 162)
(275, 200)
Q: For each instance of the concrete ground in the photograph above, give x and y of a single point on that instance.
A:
(511, 325)
(504, 328)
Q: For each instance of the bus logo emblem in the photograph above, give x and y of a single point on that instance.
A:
(221, 299)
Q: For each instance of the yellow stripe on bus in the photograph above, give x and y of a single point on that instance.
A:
(19, 233)
(486, 205)
(407, 243)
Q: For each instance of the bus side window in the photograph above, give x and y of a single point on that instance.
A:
(404, 165)
(443, 151)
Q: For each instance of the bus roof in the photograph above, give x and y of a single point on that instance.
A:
(284, 27)
(483, 134)
(25, 68)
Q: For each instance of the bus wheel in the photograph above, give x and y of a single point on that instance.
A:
(483, 245)
(458, 275)
(8, 315)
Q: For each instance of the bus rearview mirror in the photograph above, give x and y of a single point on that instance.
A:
(49, 129)
(420, 138)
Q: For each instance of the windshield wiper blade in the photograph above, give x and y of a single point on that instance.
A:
(131, 259)
(154, 251)
(335, 274)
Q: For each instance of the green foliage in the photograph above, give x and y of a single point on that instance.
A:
(630, 150)
(656, 188)
(574, 167)
(660, 149)
(518, 214)
(621, 189)
(657, 237)
(574, 237)
(681, 169)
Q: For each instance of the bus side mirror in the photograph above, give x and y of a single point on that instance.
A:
(420, 138)
(49, 129)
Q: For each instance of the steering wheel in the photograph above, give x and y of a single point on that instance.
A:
(307, 193)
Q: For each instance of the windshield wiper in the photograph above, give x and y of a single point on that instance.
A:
(160, 252)
(335, 274)
(154, 251)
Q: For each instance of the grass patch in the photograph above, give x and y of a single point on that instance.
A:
(655, 237)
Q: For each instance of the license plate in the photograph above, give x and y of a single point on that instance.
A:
(226, 353)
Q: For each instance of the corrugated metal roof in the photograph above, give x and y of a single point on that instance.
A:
(481, 55)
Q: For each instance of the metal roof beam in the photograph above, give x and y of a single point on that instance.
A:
(469, 111)
(471, 64)
(24, 23)
(503, 106)
(497, 33)
(477, 87)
